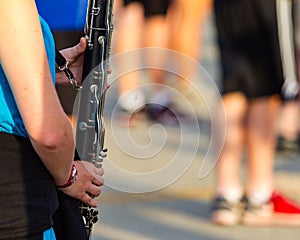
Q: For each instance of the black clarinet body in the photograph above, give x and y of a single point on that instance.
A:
(90, 129)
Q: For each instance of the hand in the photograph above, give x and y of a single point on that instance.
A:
(88, 182)
(74, 55)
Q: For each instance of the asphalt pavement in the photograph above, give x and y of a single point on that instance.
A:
(179, 210)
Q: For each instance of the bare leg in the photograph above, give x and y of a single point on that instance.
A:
(186, 22)
(228, 165)
(156, 35)
(128, 36)
(261, 137)
(289, 120)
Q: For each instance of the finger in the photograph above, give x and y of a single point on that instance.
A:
(82, 44)
(94, 190)
(87, 199)
(99, 171)
(99, 181)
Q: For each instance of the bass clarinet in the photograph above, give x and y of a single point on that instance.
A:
(90, 99)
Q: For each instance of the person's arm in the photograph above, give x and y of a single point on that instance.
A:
(24, 60)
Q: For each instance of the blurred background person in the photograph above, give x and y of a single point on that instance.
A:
(288, 125)
(252, 83)
(187, 21)
(143, 24)
(129, 30)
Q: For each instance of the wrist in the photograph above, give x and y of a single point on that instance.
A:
(71, 179)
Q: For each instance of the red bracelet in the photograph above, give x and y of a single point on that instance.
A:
(71, 179)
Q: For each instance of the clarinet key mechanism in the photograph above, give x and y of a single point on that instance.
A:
(89, 103)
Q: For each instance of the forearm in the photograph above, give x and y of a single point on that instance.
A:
(57, 155)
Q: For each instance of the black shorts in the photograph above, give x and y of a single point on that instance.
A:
(249, 46)
(152, 7)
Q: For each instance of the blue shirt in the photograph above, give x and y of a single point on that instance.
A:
(49, 234)
(10, 118)
(66, 15)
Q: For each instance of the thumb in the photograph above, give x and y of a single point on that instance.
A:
(81, 46)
